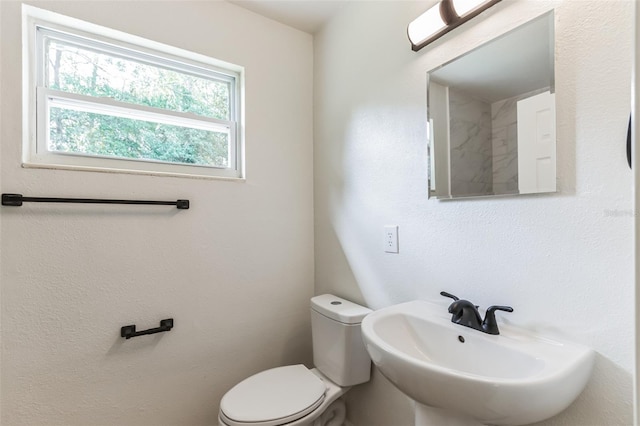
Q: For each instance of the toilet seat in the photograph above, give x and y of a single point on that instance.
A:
(273, 397)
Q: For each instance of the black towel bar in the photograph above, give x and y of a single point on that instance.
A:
(18, 199)
(129, 331)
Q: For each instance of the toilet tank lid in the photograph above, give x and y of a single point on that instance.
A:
(339, 309)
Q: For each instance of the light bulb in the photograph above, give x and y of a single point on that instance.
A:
(462, 7)
(426, 25)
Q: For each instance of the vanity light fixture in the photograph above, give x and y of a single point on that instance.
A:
(442, 18)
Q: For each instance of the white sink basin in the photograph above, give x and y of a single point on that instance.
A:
(514, 378)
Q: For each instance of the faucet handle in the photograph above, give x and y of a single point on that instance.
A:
(499, 308)
(490, 325)
(445, 294)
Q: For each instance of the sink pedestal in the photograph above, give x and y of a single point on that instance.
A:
(431, 416)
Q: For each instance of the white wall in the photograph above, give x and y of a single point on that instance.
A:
(563, 261)
(235, 271)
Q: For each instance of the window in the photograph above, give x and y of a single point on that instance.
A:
(123, 103)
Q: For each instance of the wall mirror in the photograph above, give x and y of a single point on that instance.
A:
(492, 120)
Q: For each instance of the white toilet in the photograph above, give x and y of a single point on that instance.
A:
(295, 395)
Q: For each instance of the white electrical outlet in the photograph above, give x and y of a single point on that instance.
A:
(391, 238)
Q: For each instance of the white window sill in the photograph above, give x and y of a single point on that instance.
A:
(28, 165)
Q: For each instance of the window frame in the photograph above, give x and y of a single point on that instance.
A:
(39, 24)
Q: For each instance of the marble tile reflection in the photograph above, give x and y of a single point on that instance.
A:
(470, 144)
(504, 139)
(483, 144)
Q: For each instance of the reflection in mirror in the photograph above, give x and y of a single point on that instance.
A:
(492, 117)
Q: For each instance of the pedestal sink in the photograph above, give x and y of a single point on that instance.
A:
(514, 378)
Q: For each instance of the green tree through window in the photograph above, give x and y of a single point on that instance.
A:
(88, 71)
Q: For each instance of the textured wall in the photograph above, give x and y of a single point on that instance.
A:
(235, 271)
(563, 261)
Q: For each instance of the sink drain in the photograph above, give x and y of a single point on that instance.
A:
(461, 339)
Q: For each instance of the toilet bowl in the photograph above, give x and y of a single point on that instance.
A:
(295, 395)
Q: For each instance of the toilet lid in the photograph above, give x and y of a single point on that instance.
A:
(274, 397)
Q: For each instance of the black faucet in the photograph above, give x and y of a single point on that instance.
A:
(466, 313)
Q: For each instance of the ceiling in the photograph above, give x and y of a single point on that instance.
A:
(305, 15)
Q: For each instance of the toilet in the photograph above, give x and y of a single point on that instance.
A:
(295, 395)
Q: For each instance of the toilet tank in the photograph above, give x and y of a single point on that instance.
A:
(338, 349)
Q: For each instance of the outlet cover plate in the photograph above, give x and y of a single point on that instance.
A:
(391, 239)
